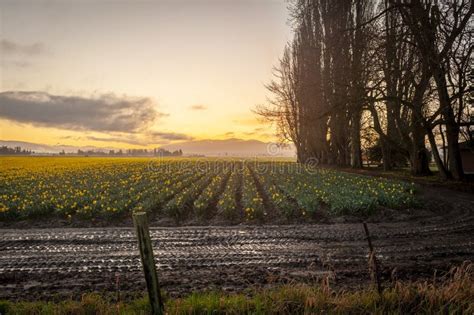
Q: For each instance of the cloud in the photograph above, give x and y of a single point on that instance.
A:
(121, 139)
(170, 136)
(13, 48)
(257, 132)
(106, 113)
(145, 139)
(70, 138)
(198, 107)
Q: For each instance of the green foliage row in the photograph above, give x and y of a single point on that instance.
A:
(251, 199)
(276, 195)
(227, 204)
(341, 193)
(90, 188)
(203, 202)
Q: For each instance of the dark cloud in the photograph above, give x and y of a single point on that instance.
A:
(13, 48)
(106, 113)
(198, 107)
(109, 139)
(169, 136)
(70, 138)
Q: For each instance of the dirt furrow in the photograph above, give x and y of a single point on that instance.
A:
(40, 263)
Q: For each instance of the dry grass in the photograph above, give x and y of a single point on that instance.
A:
(451, 294)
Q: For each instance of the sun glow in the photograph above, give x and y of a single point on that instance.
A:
(184, 58)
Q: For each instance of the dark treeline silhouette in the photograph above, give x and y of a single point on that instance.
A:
(4, 150)
(363, 77)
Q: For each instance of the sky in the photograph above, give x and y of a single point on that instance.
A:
(137, 73)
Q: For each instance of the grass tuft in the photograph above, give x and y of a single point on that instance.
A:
(451, 294)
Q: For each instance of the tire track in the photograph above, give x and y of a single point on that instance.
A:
(38, 263)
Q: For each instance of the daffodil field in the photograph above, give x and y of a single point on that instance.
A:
(90, 188)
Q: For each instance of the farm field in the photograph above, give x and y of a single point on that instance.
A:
(281, 235)
(177, 191)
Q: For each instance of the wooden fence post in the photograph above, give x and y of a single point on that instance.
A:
(373, 261)
(146, 252)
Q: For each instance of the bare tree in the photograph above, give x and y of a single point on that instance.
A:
(405, 63)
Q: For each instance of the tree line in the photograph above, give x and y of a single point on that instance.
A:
(4, 150)
(360, 74)
(160, 152)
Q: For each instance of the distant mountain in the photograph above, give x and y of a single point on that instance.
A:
(231, 147)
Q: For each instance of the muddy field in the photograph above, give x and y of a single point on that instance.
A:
(58, 263)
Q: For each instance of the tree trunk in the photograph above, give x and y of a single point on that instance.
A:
(386, 155)
(418, 153)
(356, 153)
(434, 149)
(452, 128)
